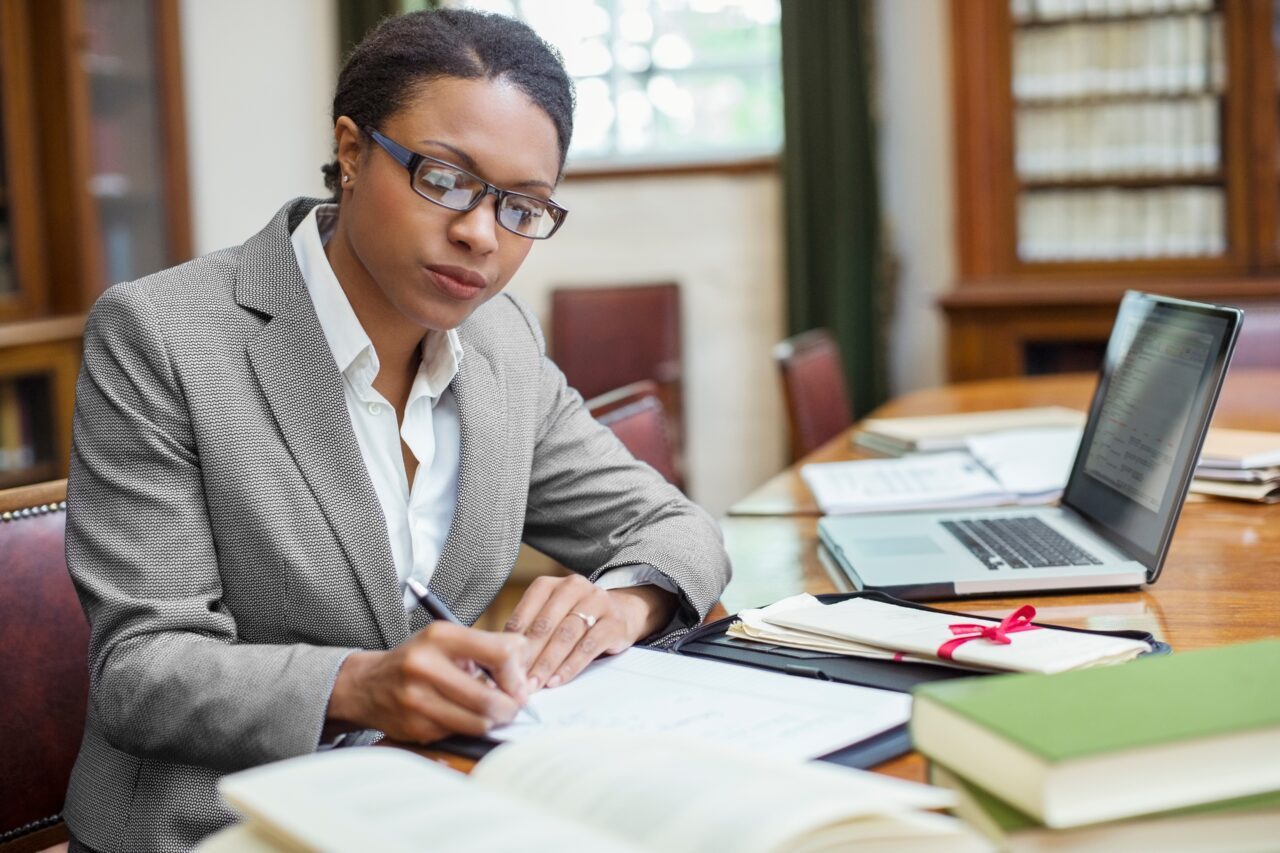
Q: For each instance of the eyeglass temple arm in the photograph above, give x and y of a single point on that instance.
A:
(395, 149)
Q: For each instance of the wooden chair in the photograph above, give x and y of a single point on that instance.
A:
(814, 387)
(1259, 341)
(634, 413)
(607, 337)
(44, 678)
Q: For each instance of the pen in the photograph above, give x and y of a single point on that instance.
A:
(439, 610)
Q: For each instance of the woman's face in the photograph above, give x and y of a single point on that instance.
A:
(431, 264)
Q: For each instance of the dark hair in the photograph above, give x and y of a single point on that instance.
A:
(405, 51)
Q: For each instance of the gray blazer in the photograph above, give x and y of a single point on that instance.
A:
(228, 546)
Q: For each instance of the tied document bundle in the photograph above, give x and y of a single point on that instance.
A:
(875, 629)
(606, 793)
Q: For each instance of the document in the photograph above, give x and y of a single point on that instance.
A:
(642, 690)
(919, 481)
(924, 633)
(1020, 466)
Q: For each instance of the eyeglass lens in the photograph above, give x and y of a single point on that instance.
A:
(459, 190)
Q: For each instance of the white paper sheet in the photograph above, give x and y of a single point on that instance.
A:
(770, 713)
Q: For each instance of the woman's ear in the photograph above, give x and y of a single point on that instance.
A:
(348, 142)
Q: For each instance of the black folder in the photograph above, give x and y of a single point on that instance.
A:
(711, 641)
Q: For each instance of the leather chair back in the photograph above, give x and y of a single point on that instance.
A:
(606, 337)
(635, 415)
(1259, 341)
(814, 386)
(44, 679)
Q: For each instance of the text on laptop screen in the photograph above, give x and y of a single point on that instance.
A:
(1156, 392)
(1147, 408)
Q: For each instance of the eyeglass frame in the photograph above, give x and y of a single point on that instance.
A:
(411, 160)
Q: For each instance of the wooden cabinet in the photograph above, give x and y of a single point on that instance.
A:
(93, 190)
(1103, 145)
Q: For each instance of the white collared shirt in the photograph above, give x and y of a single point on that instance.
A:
(419, 515)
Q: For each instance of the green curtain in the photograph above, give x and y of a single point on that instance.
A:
(357, 17)
(835, 274)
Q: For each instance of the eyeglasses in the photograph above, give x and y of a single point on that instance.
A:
(449, 186)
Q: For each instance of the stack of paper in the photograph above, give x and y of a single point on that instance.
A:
(896, 436)
(869, 628)
(1021, 466)
(1241, 464)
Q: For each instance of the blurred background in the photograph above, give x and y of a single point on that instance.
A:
(952, 190)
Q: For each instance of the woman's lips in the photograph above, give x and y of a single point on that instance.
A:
(457, 282)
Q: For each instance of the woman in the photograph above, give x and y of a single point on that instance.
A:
(272, 439)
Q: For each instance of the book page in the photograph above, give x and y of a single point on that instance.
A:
(677, 794)
(918, 481)
(642, 690)
(376, 798)
(1034, 464)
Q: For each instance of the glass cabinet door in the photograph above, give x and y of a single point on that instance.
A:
(127, 157)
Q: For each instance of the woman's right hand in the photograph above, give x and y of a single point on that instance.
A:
(427, 688)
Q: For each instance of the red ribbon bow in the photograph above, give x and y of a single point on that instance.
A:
(1018, 620)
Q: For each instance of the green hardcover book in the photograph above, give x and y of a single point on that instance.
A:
(1113, 742)
(1242, 825)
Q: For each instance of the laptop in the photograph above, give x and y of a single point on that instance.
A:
(1160, 379)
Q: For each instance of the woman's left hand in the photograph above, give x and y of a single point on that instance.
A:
(570, 621)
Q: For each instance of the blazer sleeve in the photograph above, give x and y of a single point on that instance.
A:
(593, 507)
(168, 679)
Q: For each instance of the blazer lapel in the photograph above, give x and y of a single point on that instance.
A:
(469, 572)
(301, 383)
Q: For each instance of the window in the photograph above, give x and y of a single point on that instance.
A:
(664, 81)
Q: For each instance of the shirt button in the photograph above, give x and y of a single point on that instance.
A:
(375, 408)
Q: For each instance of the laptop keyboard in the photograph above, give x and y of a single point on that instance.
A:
(1018, 543)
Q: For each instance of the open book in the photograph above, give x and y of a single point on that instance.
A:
(608, 793)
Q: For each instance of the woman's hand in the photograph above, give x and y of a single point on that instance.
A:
(570, 621)
(427, 688)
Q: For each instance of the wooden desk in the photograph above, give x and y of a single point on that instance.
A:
(1220, 583)
(1250, 400)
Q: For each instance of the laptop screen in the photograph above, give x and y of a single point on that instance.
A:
(1163, 369)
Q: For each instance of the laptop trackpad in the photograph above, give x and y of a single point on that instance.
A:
(897, 546)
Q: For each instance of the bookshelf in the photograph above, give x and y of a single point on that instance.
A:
(1103, 145)
(93, 190)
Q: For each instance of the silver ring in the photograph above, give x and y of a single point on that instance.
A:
(590, 620)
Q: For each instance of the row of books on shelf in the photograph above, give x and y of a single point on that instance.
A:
(1121, 224)
(1015, 456)
(1166, 56)
(17, 428)
(1029, 11)
(1162, 138)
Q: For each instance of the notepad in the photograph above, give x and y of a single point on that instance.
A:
(924, 633)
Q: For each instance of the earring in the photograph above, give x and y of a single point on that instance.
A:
(346, 178)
